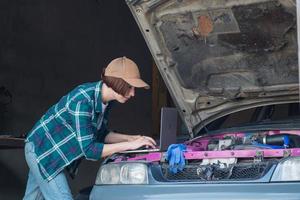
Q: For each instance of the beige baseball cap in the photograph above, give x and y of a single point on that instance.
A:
(127, 70)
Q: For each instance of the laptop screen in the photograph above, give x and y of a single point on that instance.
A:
(168, 127)
(168, 131)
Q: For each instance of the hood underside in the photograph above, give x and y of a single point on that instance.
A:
(222, 56)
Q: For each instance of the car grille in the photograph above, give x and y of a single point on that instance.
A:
(195, 172)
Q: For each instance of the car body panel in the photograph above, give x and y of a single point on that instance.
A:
(162, 186)
(250, 191)
(218, 57)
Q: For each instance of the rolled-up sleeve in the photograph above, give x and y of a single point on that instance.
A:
(81, 116)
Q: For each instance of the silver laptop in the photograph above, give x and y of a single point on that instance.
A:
(168, 130)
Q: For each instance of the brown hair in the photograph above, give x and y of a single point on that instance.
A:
(117, 84)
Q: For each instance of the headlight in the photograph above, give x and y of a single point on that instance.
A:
(288, 170)
(123, 173)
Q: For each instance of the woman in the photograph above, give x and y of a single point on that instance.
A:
(76, 127)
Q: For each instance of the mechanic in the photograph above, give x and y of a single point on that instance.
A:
(76, 127)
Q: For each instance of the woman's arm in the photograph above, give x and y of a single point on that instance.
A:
(109, 149)
(114, 137)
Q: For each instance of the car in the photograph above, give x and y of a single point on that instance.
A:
(231, 68)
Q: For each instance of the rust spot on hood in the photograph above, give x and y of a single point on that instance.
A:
(205, 26)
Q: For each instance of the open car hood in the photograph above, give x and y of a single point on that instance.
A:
(222, 56)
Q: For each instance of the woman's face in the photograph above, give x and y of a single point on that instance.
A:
(122, 99)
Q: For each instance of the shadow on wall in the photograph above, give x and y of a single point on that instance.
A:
(11, 187)
(5, 102)
(13, 174)
(50, 47)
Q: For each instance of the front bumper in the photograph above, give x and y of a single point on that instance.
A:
(249, 191)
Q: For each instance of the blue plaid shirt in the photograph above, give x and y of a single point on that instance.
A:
(69, 130)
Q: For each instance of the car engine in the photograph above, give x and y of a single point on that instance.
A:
(225, 156)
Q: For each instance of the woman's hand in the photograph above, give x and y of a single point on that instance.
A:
(135, 142)
(114, 137)
(135, 137)
(138, 141)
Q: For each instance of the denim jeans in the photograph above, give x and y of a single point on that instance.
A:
(38, 188)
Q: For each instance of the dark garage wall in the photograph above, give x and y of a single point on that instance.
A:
(47, 47)
(50, 46)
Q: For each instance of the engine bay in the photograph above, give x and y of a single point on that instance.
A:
(226, 156)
